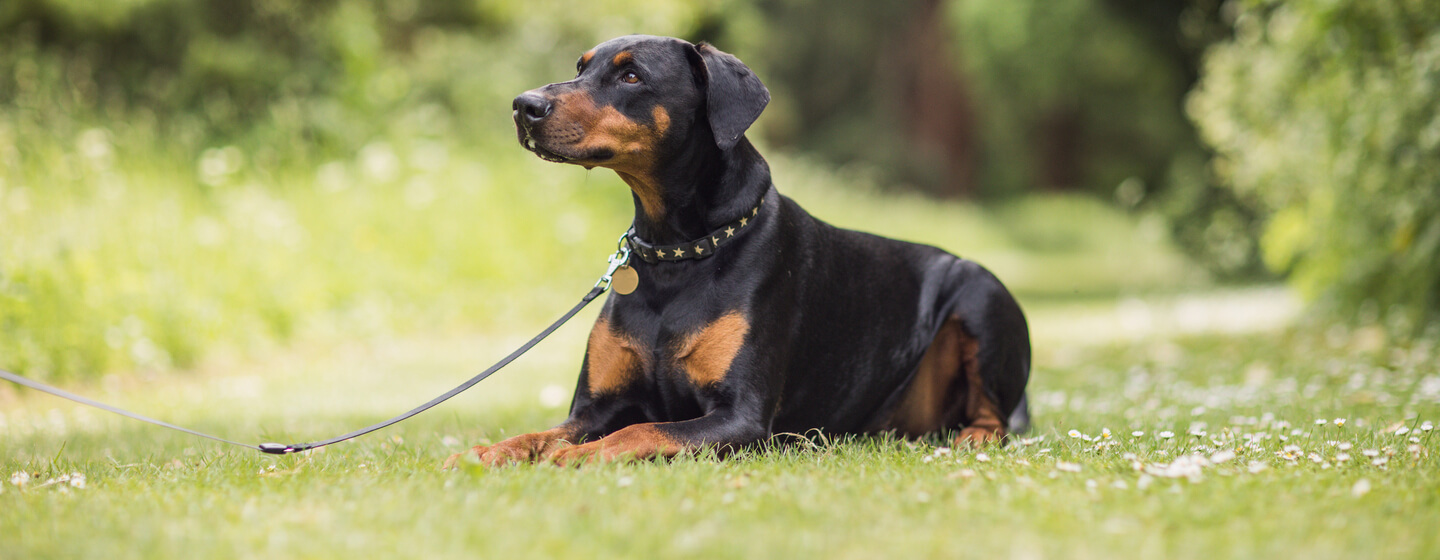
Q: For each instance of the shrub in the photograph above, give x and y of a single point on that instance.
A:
(1325, 116)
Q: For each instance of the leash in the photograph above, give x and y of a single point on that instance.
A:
(617, 261)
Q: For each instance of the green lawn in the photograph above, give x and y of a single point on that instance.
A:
(1232, 462)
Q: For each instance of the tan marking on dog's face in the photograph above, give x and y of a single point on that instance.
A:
(662, 121)
(587, 57)
(579, 128)
(622, 58)
(706, 355)
(613, 361)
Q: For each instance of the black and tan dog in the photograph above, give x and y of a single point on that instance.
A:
(751, 317)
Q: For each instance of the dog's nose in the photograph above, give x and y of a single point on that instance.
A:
(531, 108)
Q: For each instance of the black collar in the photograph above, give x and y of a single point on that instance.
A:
(699, 248)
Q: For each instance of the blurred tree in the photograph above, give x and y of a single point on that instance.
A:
(873, 83)
(315, 77)
(995, 99)
(1326, 116)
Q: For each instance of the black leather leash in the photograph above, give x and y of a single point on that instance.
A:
(619, 259)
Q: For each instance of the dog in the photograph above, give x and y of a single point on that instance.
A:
(751, 317)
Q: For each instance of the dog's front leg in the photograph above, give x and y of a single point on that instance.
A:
(720, 428)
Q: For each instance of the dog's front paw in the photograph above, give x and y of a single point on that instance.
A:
(638, 442)
(478, 451)
(523, 448)
(584, 454)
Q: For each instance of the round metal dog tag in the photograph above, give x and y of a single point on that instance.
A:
(624, 280)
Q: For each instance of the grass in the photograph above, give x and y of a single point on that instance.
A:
(1286, 492)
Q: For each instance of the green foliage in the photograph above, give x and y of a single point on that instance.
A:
(1326, 117)
(1087, 95)
(1074, 73)
(290, 80)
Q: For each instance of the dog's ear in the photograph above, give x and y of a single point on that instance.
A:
(734, 95)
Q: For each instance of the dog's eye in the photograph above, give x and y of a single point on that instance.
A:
(630, 77)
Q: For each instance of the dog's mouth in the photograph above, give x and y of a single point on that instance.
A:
(528, 141)
(530, 144)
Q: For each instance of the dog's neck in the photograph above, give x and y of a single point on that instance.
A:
(700, 188)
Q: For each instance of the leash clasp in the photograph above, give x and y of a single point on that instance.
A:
(621, 257)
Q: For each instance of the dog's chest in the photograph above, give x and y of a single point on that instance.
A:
(687, 359)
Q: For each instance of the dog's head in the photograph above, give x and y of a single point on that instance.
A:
(635, 99)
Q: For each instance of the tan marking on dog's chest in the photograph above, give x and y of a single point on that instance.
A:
(613, 360)
(707, 354)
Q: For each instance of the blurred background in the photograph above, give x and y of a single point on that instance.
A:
(186, 178)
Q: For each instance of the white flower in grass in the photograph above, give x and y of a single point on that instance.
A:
(942, 451)
(1222, 456)
(77, 480)
(1370, 453)
(1342, 457)
(1339, 422)
(1256, 466)
(927, 459)
(1402, 431)
(625, 481)
(1361, 488)
(1321, 421)
(1414, 440)
(1426, 426)
(1067, 467)
(1315, 458)
(983, 458)
(1344, 446)
(1137, 433)
(1075, 434)
(1380, 461)
(1166, 434)
(1104, 433)
(19, 478)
